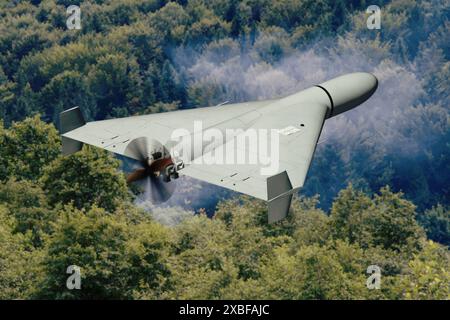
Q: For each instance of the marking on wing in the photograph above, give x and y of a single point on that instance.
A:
(288, 130)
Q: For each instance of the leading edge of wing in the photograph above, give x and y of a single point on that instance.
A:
(114, 134)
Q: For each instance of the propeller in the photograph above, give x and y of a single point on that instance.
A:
(145, 163)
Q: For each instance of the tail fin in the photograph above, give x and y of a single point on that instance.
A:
(279, 191)
(70, 120)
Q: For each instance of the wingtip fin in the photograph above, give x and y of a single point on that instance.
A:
(279, 195)
(70, 120)
(70, 146)
(278, 209)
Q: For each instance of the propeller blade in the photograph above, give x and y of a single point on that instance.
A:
(154, 189)
(141, 177)
(138, 149)
(137, 175)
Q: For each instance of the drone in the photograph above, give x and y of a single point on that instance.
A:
(148, 145)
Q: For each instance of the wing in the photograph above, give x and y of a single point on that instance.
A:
(299, 128)
(298, 122)
(115, 134)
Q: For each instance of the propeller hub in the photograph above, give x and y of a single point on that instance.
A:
(151, 169)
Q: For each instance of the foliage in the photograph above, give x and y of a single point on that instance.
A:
(28, 205)
(86, 178)
(78, 213)
(436, 222)
(138, 57)
(26, 148)
(428, 275)
(387, 220)
(19, 262)
(117, 257)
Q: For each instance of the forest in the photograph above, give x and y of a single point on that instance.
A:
(378, 192)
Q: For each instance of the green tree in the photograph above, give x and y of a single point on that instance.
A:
(387, 220)
(251, 242)
(66, 90)
(3, 158)
(205, 27)
(27, 147)
(312, 272)
(347, 216)
(428, 275)
(201, 263)
(27, 203)
(436, 222)
(169, 86)
(19, 262)
(7, 96)
(86, 178)
(339, 13)
(116, 84)
(170, 22)
(117, 257)
(273, 45)
(391, 222)
(312, 226)
(333, 180)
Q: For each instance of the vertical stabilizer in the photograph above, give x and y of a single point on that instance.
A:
(70, 120)
(279, 194)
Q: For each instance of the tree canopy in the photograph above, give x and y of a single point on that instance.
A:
(377, 193)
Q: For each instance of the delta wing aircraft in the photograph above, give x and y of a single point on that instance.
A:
(147, 140)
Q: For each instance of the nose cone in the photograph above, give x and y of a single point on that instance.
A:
(350, 90)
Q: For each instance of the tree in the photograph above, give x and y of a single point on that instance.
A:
(339, 14)
(332, 180)
(7, 96)
(391, 222)
(436, 222)
(312, 226)
(3, 158)
(251, 242)
(205, 27)
(273, 45)
(387, 220)
(86, 178)
(347, 218)
(312, 272)
(27, 147)
(170, 21)
(117, 257)
(19, 262)
(161, 107)
(201, 264)
(27, 203)
(428, 274)
(66, 90)
(139, 56)
(169, 86)
(116, 84)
